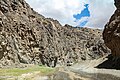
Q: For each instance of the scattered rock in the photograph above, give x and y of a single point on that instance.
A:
(27, 37)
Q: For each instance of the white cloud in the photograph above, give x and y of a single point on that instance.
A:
(101, 11)
(63, 10)
(82, 20)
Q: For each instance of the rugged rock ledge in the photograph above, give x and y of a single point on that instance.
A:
(111, 33)
(27, 37)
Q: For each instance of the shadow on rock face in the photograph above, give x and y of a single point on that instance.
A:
(111, 63)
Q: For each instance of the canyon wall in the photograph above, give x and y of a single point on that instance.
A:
(27, 37)
(111, 33)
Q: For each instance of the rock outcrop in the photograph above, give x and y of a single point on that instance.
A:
(111, 33)
(27, 37)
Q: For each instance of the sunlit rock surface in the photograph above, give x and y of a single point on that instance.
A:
(27, 37)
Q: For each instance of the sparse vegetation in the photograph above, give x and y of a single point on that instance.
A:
(19, 71)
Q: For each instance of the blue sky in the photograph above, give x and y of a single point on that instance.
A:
(88, 13)
(84, 13)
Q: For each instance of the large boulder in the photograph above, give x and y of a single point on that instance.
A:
(111, 33)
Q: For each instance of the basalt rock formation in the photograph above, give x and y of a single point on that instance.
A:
(27, 37)
(111, 33)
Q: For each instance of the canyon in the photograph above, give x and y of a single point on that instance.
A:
(26, 37)
(78, 53)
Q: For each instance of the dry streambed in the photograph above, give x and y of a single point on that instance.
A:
(87, 69)
(81, 71)
(39, 73)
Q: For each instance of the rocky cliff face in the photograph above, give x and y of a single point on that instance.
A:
(27, 37)
(111, 34)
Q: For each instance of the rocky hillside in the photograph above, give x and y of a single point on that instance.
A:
(27, 37)
(111, 34)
